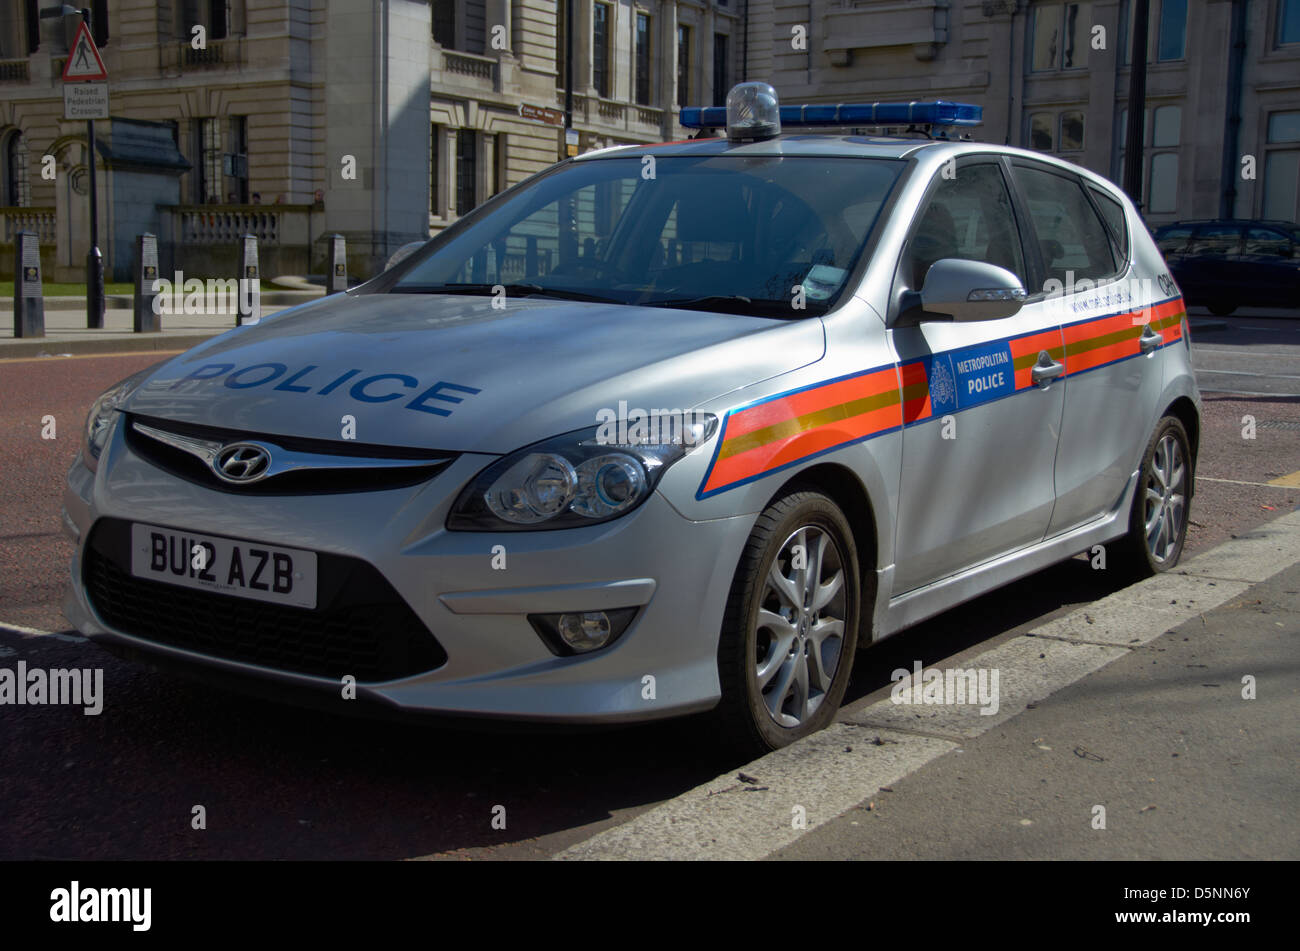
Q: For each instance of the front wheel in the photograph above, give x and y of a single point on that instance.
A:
(791, 625)
(1158, 519)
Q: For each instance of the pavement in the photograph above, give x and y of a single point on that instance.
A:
(1159, 722)
(66, 333)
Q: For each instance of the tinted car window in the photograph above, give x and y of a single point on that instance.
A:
(969, 217)
(1174, 239)
(1075, 244)
(1216, 240)
(1266, 241)
(1113, 212)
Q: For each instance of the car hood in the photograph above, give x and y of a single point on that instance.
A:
(457, 373)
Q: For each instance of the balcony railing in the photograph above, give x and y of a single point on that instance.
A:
(14, 71)
(225, 224)
(40, 220)
(217, 54)
(469, 65)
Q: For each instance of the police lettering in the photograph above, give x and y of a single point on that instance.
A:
(371, 388)
(989, 381)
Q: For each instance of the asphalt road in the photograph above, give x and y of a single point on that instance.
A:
(278, 782)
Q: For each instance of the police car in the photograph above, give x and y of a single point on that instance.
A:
(662, 430)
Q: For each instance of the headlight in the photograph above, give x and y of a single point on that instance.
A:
(580, 478)
(100, 418)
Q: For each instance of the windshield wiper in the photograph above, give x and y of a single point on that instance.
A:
(517, 290)
(737, 304)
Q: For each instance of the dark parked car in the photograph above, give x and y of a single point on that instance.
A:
(1229, 263)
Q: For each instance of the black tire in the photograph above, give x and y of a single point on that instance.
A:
(1221, 308)
(742, 719)
(1135, 555)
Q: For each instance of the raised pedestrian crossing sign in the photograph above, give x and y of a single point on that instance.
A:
(84, 62)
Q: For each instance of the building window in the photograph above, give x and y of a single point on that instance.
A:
(643, 59)
(1071, 139)
(1040, 131)
(1288, 21)
(683, 65)
(212, 15)
(1162, 186)
(1165, 126)
(1171, 39)
(207, 147)
(600, 49)
(444, 23)
(18, 189)
(1060, 36)
(1282, 167)
(720, 71)
(466, 171)
(435, 134)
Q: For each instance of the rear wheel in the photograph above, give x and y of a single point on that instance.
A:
(1221, 308)
(790, 629)
(1158, 519)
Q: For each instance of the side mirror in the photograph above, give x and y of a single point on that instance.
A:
(971, 290)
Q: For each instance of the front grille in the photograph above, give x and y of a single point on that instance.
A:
(419, 465)
(362, 628)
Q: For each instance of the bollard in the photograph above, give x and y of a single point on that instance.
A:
(250, 284)
(29, 305)
(145, 318)
(336, 279)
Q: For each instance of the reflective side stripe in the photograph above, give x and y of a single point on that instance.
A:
(790, 427)
(776, 432)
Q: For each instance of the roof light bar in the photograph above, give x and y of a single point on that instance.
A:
(936, 112)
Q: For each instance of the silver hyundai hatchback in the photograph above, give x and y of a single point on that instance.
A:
(661, 430)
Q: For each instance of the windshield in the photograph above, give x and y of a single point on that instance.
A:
(768, 235)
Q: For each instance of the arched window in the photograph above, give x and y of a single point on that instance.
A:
(18, 189)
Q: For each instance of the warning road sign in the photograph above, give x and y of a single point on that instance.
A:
(84, 62)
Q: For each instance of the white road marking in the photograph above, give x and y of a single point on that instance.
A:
(1279, 376)
(830, 772)
(1266, 485)
(1219, 389)
(70, 636)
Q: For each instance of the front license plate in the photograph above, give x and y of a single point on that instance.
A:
(224, 565)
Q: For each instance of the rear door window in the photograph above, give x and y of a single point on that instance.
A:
(1173, 240)
(1216, 240)
(1074, 242)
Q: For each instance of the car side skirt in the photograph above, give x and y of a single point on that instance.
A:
(912, 607)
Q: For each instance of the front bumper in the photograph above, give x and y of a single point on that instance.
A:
(675, 571)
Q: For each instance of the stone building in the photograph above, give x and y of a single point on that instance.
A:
(1054, 76)
(384, 120)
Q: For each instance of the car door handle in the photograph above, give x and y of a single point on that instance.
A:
(1150, 339)
(1046, 369)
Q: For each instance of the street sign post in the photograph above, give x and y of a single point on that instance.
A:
(85, 96)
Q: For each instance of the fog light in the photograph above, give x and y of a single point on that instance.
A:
(580, 632)
(585, 632)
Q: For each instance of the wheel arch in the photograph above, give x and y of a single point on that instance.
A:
(843, 487)
(1185, 411)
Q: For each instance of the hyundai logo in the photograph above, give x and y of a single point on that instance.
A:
(242, 462)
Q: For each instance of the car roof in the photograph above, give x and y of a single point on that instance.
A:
(846, 145)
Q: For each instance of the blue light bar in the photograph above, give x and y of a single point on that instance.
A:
(934, 113)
